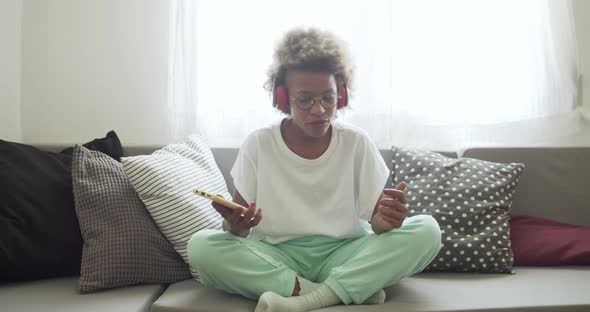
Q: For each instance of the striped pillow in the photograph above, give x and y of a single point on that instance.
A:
(164, 181)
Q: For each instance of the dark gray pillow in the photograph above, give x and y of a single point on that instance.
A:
(471, 201)
(122, 245)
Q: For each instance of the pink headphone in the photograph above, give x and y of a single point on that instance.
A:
(280, 100)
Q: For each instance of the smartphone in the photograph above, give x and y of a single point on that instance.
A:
(220, 200)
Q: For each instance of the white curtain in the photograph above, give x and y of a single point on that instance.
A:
(182, 69)
(430, 74)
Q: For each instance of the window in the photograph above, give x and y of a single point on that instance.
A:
(433, 74)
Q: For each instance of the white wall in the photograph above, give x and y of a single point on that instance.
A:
(10, 69)
(90, 66)
(582, 16)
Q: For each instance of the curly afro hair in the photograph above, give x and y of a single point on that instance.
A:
(310, 49)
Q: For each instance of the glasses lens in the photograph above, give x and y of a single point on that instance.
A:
(304, 102)
(329, 100)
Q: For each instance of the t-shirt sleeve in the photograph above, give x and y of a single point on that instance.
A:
(245, 169)
(373, 175)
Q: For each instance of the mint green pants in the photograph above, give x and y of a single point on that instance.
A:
(353, 268)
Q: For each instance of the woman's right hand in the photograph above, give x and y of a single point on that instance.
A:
(240, 223)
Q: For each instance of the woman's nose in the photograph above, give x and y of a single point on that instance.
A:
(316, 107)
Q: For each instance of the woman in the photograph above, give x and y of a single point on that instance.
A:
(330, 233)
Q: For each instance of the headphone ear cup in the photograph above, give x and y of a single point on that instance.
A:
(342, 97)
(280, 100)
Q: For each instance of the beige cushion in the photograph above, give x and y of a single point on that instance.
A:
(554, 184)
(191, 295)
(530, 289)
(61, 294)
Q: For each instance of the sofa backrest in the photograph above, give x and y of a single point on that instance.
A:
(554, 184)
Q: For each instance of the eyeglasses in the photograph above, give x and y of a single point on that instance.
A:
(327, 101)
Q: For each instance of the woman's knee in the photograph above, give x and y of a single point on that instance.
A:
(427, 230)
(200, 250)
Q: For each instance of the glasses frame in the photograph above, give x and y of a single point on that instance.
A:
(313, 99)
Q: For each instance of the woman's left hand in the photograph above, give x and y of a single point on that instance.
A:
(391, 210)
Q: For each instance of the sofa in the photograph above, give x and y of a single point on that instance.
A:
(553, 186)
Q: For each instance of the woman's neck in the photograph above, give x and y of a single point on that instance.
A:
(301, 144)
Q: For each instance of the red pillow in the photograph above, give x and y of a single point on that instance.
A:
(540, 242)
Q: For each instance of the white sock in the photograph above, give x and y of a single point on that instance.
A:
(376, 298)
(321, 297)
(307, 286)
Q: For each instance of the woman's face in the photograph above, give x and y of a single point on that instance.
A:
(305, 87)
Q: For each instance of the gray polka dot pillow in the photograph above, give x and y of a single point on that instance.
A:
(471, 201)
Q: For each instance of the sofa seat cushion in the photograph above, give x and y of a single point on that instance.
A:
(558, 289)
(191, 295)
(61, 294)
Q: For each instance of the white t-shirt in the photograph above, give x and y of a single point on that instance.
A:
(333, 195)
